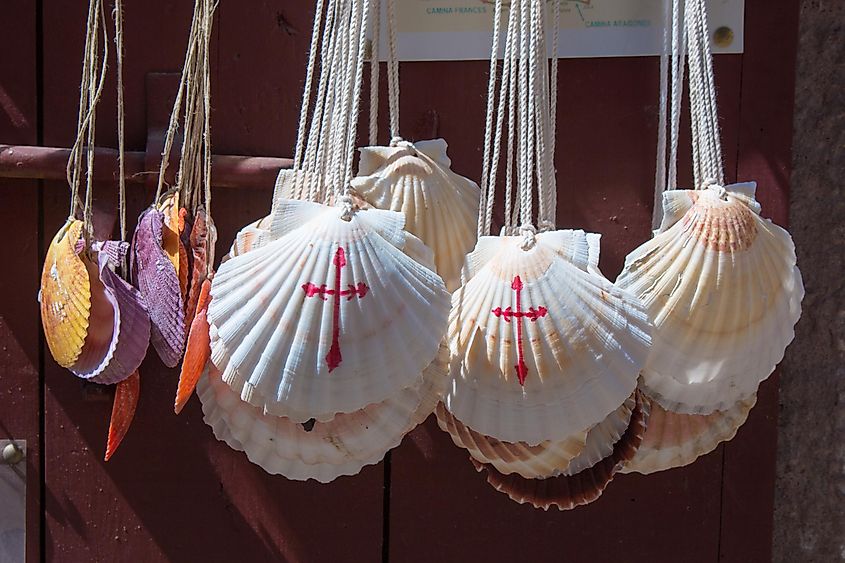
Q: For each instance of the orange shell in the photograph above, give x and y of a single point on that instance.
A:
(675, 440)
(170, 233)
(570, 491)
(182, 269)
(65, 296)
(546, 459)
(123, 411)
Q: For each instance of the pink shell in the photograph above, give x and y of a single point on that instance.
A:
(119, 335)
(156, 278)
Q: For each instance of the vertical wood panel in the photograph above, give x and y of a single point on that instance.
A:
(19, 318)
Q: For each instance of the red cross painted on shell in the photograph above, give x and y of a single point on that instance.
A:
(531, 314)
(359, 290)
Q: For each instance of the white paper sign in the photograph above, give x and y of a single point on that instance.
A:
(461, 29)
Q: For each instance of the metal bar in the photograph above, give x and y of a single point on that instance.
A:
(49, 163)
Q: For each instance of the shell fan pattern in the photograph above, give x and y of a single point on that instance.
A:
(440, 206)
(354, 318)
(157, 279)
(531, 362)
(721, 285)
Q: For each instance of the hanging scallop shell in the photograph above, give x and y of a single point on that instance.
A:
(440, 207)
(541, 349)
(119, 331)
(203, 237)
(329, 316)
(721, 286)
(169, 207)
(156, 278)
(675, 440)
(65, 296)
(320, 450)
(570, 491)
(546, 459)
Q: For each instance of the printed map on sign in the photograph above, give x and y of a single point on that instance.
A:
(460, 29)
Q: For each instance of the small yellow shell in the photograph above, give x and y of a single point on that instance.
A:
(65, 296)
(170, 234)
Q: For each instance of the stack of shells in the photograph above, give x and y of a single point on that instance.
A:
(327, 334)
(545, 357)
(722, 288)
(169, 264)
(326, 340)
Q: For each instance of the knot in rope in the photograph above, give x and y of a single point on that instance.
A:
(347, 204)
(399, 142)
(713, 184)
(546, 225)
(529, 237)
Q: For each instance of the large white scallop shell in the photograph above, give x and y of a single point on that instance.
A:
(721, 286)
(272, 314)
(583, 340)
(440, 207)
(674, 440)
(327, 450)
(545, 459)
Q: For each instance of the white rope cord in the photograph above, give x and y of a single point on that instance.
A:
(508, 96)
(529, 117)
(662, 124)
(511, 208)
(338, 125)
(374, 69)
(392, 72)
(714, 163)
(549, 188)
(352, 119)
(677, 87)
(523, 158)
(327, 136)
(317, 118)
(484, 221)
(506, 104)
(335, 120)
(525, 94)
(332, 77)
(309, 79)
(696, 109)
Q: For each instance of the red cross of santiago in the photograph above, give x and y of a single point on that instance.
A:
(359, 290)
(531, 314)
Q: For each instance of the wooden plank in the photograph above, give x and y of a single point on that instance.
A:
(607, 125)
(765, 147)
(172, 492)
(20, 414)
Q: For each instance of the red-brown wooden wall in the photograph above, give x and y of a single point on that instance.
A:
(174, 493)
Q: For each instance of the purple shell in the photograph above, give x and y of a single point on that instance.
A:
(156, 278)
(118, 358)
